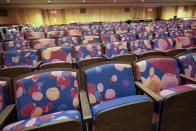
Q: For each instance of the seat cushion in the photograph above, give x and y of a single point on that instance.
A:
(168, 91)
(115, 102)
(43, 119)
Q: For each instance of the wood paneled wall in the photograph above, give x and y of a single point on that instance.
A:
(65, 16)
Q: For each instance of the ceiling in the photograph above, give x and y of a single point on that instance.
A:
(44, 4)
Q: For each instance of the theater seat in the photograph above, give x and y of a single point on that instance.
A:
(145, 36)
(60, 57)
(114, 104)
(25, 58)
(87, 54)
(51, 101)
(17, 45)
(160, 80)
(109, 38)
(14, 36)
(68, 41)
(90, 39)
(43, 43)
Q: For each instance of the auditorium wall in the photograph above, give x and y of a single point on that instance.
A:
(65, 16)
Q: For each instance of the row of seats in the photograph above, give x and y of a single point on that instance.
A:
(72, 33)
(90, 52)
(73, 41)
(106, 96)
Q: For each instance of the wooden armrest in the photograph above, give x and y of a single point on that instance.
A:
(106, 57)
(191, 79)
(37, 65)
(1, 66)
(74, 60)
(5, 114)
(86, 111)
(150, 93)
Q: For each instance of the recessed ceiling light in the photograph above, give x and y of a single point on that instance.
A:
(49, 1)
(8, 1)
(114, 1)
(83, 1)
(142, 0)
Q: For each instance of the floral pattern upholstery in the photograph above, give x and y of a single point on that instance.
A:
(188, 64)
(145, 36)
(183, 42)
(88, 51)
(128, 37)
(43, 119)
(35, 35)
(55, 34)
(117, 82)
(17, 45)
(121, 29)
(4, 100)
(161, 34)
(176, 33)
(68, 41)
(190, 33)
(14, 36)
(74, 33)
(115, 49)
(90, 39)
(20, 58)
(55, 54)
(91, 31)
(140, 46)
(134, 29)
(108, 30)
(109, 38)
(163, 44)
(48, 96)
(43, 43)
(160, 29)
(161, 75)
(147, 28)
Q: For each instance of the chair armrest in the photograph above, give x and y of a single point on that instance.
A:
(188, 78)
(86, 111)
(74, 60)
(1, 66)
(150, 93)
(37, 65)
(5, 114)
(106, 57)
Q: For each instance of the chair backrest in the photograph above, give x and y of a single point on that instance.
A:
(4, 95)
(88, 51)
(20, 58)
(187, 64)
(140, 46)
(115, 49)
(74, 33)
(55, 34)
(117, 82)
(183, 42)
(163, 44)
(128, 37)
(160, 28)
(107, 30)
(145, 36)
(68, 41)
(147, 28)
(109, 38)
(176, 33)
(14, 36)
(189, 33)
(55, 54)
(35, 35)
(43, 43)
(158, 73)
(17, 45)
(46, 92)
(161, 34)
(91, 31)
(121, 29)
(90, 39)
